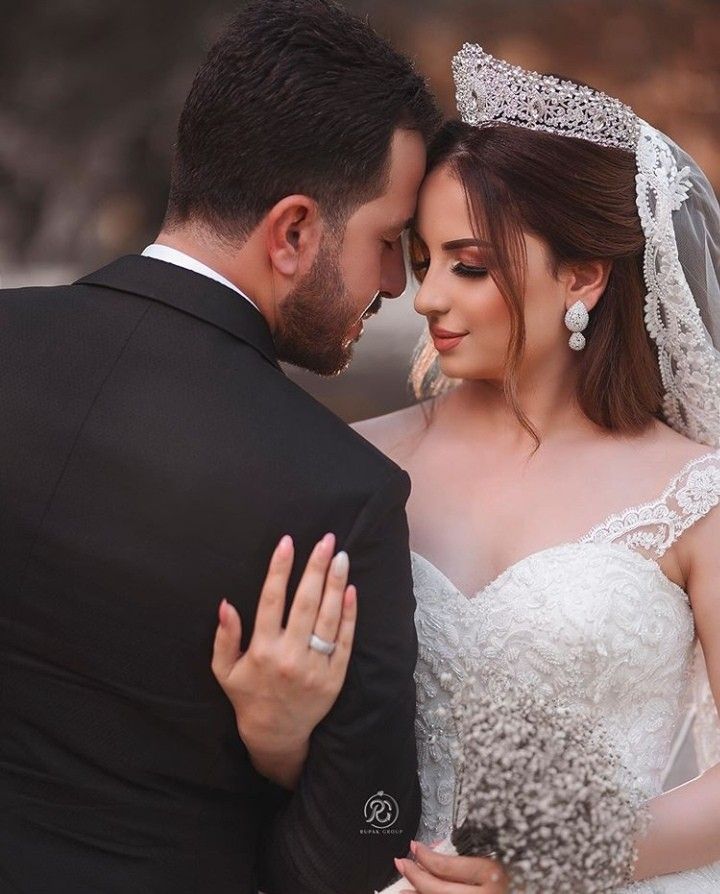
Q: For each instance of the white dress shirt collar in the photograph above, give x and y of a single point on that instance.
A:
(173, 256)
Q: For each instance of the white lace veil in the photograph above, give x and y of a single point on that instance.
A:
(681, 222)
(697, 232)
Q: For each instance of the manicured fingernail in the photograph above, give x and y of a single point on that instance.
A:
(399, 866)
(285, 546)
(340, 564)
(325, 546)
(224, 611)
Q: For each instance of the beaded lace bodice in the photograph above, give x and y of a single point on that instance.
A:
(595, 622)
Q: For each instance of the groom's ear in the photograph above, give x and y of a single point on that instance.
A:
(293, 229)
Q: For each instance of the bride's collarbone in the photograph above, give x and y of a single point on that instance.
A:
(474, 521)
(476, 545)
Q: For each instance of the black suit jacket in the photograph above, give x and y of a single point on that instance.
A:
(152, 453)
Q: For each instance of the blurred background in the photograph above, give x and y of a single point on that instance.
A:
(90, 91)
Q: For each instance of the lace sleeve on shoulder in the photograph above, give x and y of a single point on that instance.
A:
(652, 528)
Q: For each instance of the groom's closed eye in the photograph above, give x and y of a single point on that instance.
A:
(419, 268)
(395, 233)
(419, 255)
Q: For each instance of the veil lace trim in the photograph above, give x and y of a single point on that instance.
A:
(689, 362)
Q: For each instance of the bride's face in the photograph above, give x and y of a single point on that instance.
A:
(468, 317)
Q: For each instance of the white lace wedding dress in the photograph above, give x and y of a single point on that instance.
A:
(595, 622)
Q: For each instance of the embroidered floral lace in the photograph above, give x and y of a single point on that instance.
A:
(595, 622)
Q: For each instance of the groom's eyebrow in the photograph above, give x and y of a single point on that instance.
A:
(455, 244)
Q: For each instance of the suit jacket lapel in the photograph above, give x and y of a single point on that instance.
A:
(189, 292)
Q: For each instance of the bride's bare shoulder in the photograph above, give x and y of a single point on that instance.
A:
(395, 434)
(675, 449)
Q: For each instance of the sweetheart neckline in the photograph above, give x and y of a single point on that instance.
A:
(586, 538)
(474, 597)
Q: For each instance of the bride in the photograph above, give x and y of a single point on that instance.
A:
(564, 455)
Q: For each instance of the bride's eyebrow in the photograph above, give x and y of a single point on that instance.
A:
(456, 244)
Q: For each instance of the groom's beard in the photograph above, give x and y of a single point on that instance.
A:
(316, 318)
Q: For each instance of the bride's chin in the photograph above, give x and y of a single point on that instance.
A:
(451, 368)
(455, 368)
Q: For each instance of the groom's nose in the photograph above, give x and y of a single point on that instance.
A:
(392, 275)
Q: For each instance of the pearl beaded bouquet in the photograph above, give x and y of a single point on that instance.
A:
(541, 788)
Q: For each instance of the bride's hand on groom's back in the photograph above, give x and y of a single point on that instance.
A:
(279, 687)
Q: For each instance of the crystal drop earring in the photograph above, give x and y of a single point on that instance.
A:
(576, 319)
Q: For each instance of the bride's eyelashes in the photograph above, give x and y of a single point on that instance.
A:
(420, 259)
(461, 269)
(420, 268)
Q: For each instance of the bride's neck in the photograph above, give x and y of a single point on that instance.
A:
(548, 403)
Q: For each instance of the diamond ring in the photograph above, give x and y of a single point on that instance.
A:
(321, 645)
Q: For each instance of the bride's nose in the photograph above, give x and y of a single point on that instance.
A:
(429, 300)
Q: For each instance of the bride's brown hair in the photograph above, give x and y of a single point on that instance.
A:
(579, 198)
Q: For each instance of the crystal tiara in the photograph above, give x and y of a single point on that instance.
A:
(489, 89)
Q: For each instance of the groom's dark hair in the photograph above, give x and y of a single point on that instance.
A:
(296, 97)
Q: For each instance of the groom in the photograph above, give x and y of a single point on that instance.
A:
(152, 453)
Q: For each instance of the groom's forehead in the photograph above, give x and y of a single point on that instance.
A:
(408, 160)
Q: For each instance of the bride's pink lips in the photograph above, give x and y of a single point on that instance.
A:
(445, 340)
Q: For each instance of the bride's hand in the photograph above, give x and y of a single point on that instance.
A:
(279, 687)
(434, 873)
